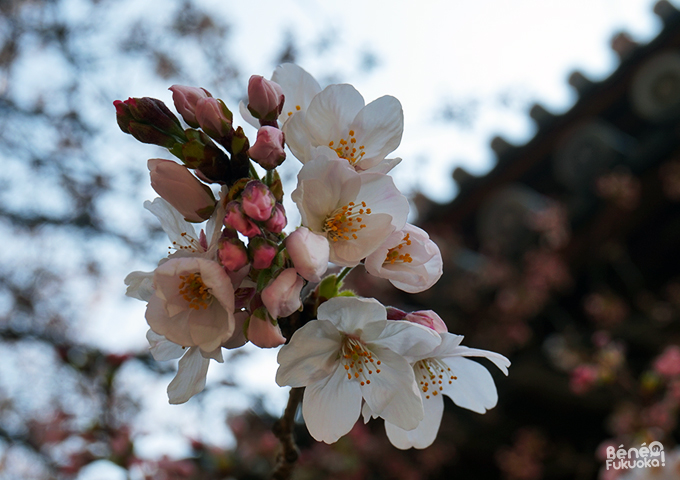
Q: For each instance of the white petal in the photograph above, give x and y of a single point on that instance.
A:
(190, 378)
(298, 86)
(352, 314)
(172, 222)
(163, 349)
(330, 113)
(499, 360)
(381, 195)
(405, 338)
(140, 285)
(311, 354)
(350, 252)
(297, 137)
(331, 406)
(426, 431)
(379, 126)
(384, 166)
(393, 393)
(473, 388)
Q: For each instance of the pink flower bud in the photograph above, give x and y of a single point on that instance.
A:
(262, 252)
(309, 252)
(282, 296)
(177, 186)
(257, 201)
(264, 333)
(232, 253)
(278, 221)
(185, 99)
(427, 318)
(265, 98)
(268, 149)
(235, 219)
(213, 116)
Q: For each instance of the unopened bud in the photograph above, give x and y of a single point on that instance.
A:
(176, 185)
(265, 333)
(262, 251)
(258, 201)
(282, 296)
(309, 252)
(214, 117)
(265, 98)
(185, 99)
(426, 318)
(235, 219)
(201, 153)
(268, 149)
(278, 221)
(232, 253)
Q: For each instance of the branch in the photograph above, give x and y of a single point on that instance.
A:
(283, 429)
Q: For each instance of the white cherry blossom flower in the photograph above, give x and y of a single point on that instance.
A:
(408, 259)
(299, 88)
(446, 371)
(352, 352)
(193, 303)
(337, 123)
(356, 212)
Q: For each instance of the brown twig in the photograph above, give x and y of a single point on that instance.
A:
(283, 429)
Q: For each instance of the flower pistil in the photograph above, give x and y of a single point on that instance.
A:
(432, 372)
(194, 291)
(358, 360)
(346, 221)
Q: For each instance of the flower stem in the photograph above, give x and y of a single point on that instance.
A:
(283, 430)
(253, 172)
(343, 274)
(269, 178)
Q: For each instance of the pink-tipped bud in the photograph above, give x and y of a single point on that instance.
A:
(232, 253)
(264, 333)
(426, 318)
(282, 296)
(257, 201)
(268, 149)
(278, 221)
(177, 186)
(213, 116)
(235, 219)
(309, 252)
(185, 99)
(262, 251)
(265, 98)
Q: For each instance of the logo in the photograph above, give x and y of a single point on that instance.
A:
(643, 457)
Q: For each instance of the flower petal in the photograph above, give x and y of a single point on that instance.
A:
(311, 354)
(330, 113)
(163, 349)
(473, 388)
(499, 360)
(404, 338)
(190, 378)
(331, 406)
(424, 434)
(180, 232)
(298, 86)
(140, 285)
(393, 393)
(352, 314)
(379, 126)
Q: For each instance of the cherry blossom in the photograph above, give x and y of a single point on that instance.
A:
(408, 259)
(338, 123)
(355, 212)
(193, 303)
(446, 371)
(352, 352)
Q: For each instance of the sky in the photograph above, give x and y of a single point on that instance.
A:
(486, 61)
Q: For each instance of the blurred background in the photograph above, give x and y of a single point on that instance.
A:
(541, 152)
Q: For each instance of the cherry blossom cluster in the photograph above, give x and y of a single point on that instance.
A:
(242, 276)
